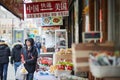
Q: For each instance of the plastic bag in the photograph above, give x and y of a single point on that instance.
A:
(21, 72)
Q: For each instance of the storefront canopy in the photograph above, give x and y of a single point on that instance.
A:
(14, 6)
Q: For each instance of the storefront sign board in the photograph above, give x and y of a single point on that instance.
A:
(47, 9)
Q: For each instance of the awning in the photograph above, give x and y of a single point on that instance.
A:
(14, 6)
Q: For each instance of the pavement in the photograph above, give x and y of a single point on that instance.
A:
(11, 72)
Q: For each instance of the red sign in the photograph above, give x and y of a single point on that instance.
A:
(46, 9)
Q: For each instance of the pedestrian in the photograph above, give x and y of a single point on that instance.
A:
(29, 57)
(4, 59)
(16, 54)
(38, 46)
(1, 71)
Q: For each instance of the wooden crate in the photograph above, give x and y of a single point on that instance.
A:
(58, 57)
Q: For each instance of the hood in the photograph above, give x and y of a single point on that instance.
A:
(3, 45)
(17, 44)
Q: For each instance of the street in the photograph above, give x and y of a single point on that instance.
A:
(11, 74)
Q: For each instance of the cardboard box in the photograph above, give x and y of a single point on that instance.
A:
(80, 54)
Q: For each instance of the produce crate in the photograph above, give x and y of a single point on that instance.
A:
(104, 71)
(80, 55)
(57, 57)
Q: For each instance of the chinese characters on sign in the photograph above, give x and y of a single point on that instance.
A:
(46, 9)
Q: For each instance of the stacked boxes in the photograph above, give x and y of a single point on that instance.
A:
(80, 56)
(57, 57)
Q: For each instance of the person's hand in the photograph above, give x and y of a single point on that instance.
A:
(23, 61)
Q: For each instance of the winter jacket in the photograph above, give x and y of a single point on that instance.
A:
(4, 52)
(16, 53)
(30, 57)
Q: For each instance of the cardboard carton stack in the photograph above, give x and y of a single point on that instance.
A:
(63, 55)
(80, 56)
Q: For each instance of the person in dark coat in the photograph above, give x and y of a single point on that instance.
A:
(16, 55)
(29, 57)
(4, 59)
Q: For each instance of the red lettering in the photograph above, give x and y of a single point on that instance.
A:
(54, 14)
(39, 15)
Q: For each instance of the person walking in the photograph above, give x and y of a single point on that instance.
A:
(1, 71)
(4, 59)
(16, 55)
(29, 56)
(38, 46)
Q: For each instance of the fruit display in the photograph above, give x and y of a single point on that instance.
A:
(68, 51)
(53, 68)
(44, 63)
(65, 51)
(64, 65)
(69, 67)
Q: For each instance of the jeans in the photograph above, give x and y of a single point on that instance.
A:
(5, 69)
(1, 71)
(38, 49)
(29, 76)
(16, 65)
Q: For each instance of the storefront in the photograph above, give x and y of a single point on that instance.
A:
(57, 34)
(75, 22)
(95, 17)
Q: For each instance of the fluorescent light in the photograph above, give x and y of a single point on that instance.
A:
(27, 1)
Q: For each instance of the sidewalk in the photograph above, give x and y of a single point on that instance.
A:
(11, 74)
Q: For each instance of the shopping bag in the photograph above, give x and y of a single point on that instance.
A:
(22, 69)
(21, 72)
